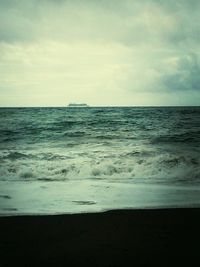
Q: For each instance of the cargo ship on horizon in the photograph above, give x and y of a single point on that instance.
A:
(78, 105)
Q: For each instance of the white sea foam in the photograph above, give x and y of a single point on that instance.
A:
(135, 167)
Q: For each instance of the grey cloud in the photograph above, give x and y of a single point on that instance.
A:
(146, 33)
(127, 22)
(186, 76)
(18, 21)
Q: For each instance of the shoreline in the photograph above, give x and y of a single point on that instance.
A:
(110, 238)
(29, 198)
(128, 209)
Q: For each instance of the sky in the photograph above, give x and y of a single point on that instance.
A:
(99, 52)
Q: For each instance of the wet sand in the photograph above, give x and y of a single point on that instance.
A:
(114, 238)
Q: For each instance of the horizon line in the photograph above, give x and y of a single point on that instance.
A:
(103, 106)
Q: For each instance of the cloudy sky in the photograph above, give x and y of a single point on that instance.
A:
(102, 52)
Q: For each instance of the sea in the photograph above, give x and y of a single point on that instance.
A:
(73, 160)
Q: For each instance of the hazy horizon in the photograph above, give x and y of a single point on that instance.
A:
(108, 106)
(104, 53)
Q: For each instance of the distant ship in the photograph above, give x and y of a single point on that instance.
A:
(82, 105)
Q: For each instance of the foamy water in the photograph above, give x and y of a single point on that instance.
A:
(130, 148)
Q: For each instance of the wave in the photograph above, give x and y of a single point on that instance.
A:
(177, 160)
(15, 156)
(143, 166)
(137, 144)
(188, 137)
(74, 134)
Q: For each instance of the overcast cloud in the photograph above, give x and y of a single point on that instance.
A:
(105, 52)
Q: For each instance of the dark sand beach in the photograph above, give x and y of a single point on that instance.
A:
(113, 238)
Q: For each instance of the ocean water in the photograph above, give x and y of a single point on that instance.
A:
(87, 159)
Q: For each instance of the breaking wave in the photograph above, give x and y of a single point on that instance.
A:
(133, 167)
(136, 145)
